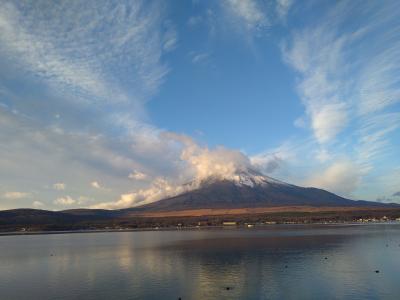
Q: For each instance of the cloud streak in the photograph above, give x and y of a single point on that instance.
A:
(15, 195)
(282, 8)
(247, 14)
(77, 51)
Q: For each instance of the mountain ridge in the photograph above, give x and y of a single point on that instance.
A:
(246, 189)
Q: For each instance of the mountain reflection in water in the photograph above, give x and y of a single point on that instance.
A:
(277, 262)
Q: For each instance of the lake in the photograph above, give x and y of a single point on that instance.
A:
(272, 262)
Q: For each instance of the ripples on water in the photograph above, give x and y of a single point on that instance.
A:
(277, 262)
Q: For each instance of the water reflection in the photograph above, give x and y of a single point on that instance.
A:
(251, 267)
(281, 262)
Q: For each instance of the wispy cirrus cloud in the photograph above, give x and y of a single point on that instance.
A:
(374, 137)
(90, 54)
(316, 55)
(336, 76)
(199, 57)
(170, 38)
(347, 85)
(282, 8)
(246, 14)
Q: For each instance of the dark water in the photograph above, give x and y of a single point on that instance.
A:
(278, 262)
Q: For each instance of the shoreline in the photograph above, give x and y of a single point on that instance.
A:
(193, 228)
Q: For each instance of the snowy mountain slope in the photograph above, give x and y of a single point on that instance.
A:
(248, 188)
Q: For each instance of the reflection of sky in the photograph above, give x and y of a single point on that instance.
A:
(201, 264)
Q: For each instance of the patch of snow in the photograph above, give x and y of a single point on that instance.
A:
(248, 178)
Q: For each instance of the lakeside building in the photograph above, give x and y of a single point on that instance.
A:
(229, 223)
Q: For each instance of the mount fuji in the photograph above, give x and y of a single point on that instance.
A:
(248, 189)
(246, 193)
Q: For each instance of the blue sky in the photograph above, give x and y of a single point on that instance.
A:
(111, 105)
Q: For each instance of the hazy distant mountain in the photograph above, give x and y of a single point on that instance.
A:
(249, 189)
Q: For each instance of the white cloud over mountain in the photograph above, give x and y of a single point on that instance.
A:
(195, 163)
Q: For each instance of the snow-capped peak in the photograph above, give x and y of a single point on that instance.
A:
(247, 177)
(253, 178)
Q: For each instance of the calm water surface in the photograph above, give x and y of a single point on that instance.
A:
(278, 262)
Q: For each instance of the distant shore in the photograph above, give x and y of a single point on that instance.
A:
(31, 221)
(189, 228)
